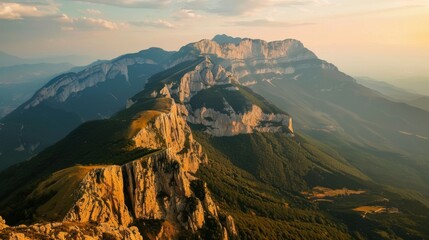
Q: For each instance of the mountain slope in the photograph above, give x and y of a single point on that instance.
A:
(418, 84)
(278, 213)
(96, 92)
(138, 138)
(330, 106)
(10, 60)
(396, 94)
(421, 102)
(143, 186)
(263, 174)
(145, 168)
(388, 90)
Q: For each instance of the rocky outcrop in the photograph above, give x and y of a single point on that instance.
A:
(205, 75)
(110, 201)
(230, 124)
(70, 230)
(253, 56)
(2, 223)
(67, 84)
(169, 130)
(252, 48)
(227, 122)
(100, 198)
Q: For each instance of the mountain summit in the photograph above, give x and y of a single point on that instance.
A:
(289, 49)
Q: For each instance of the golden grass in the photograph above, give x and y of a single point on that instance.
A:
(369, 209)
(158, 106)
(323, 192)
(142, 120)
(63, 183)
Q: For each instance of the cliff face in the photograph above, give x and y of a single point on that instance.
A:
(114, 200)
(226, 120)
(252, 56)
(169, 130)
(250, 48)
(222, 124)
(68, 84)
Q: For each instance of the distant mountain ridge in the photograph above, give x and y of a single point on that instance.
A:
(66, 101)
(396, 93)
(7, 60)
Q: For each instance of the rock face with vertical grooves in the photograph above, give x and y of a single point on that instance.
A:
(211, 96)
(160, 187)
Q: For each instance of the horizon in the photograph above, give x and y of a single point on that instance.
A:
(387, 40)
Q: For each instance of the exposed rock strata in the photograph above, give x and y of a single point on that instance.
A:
(111, 200)
(228, 122)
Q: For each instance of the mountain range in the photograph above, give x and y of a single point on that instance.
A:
(395, 93)
(8, 60)
(227, 138)
(19, 82)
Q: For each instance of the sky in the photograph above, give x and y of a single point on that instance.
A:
(384, 39)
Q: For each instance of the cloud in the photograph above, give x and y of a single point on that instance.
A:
(241, 7)
(14, 11)
(88, 23)
(131, 3)
(160, 23)
(186, 14)
(93, 11)
(267, 23)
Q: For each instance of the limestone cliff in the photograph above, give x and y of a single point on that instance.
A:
(253, 56)
(155, 196)
(257, 49)
(233, 110)
(169, 130)
(230, 124)
(67, 85)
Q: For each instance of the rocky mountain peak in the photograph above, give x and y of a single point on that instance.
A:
(233, 48)
(223, 38)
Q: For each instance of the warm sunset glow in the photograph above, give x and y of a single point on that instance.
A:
(384, 39)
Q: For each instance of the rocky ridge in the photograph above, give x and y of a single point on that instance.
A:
(289, 49)
(253, 56)
(72, 83)
(113, 200)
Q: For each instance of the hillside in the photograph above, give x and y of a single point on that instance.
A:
(265, 185)
(330, 106)
(396, 94)
(96, 92)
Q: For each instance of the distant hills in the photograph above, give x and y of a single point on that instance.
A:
(411, 97)
(418, 85)
(7, 60)
(19, 82)
(21, 77)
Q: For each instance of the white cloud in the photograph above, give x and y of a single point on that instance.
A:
(160, 23)
(88, 23)
(186, 14)
(13, 11)
(131, 3)
(98, 22)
